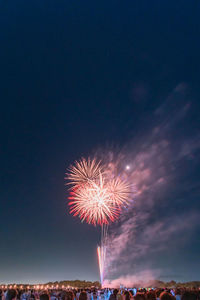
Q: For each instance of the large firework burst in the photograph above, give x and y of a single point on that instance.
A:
(96, 197)
(93, 204)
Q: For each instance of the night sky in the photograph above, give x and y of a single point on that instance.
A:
(82, 77)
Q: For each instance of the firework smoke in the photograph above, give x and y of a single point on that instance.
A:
(157, 223)
(157, 167)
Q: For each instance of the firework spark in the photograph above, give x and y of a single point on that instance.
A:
(84, 171)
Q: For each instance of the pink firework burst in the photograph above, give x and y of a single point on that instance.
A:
(93, 204)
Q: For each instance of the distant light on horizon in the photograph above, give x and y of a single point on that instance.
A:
(128, 167)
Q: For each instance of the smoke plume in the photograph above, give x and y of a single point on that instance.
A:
(153, 233)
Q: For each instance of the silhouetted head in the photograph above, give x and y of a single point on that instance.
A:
(70, 295)
(131, 292)
(83, 296)
(11, 294)
(44, 296)
(189, 295)
(166, 296)
(63, 295)
(127, 295)
(158, 292)
(140, 296)
(151, 295)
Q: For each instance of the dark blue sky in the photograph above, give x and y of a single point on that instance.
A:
(77, 76)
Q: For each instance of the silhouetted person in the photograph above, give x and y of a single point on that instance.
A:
(83, 296)
(11, 294)
(140, 296)
(127, 295)
(189, 295)
(166, 296)
(1, 294)
(44, 296)
(151, 295)
(158, 292)
(70, 296)
(113, 296)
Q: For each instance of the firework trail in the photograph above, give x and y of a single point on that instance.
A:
(101, 253)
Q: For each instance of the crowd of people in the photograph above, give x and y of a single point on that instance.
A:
(103, 294)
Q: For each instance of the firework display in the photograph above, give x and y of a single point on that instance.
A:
(94, 197)
(97, 197)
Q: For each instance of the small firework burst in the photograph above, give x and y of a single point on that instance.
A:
(119, 191)
(84, 171)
